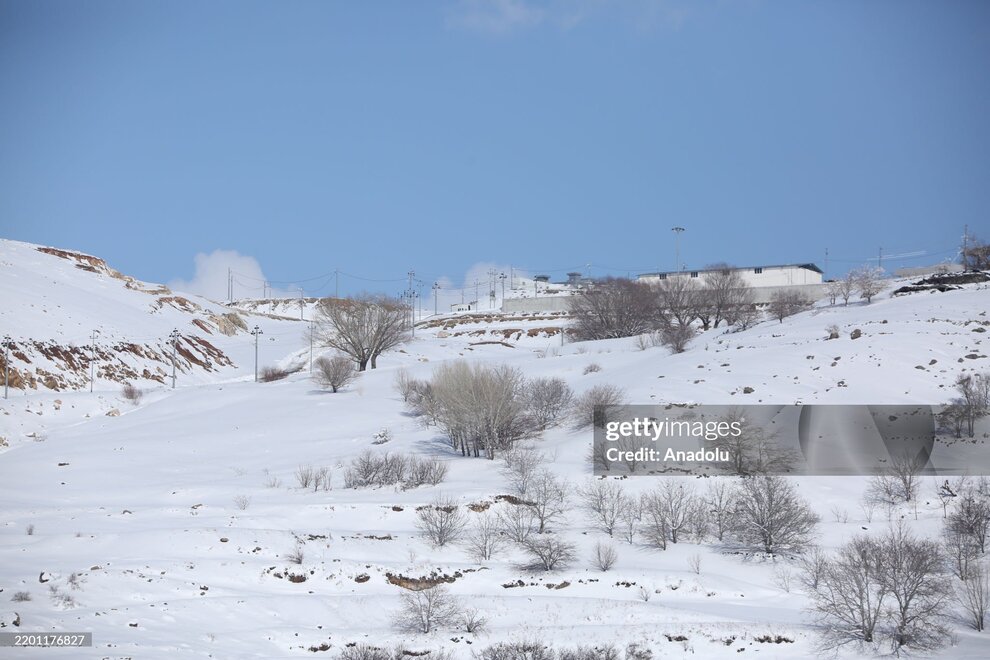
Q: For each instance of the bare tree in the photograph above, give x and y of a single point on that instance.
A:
(911, 571)
(676, 336)
(425, 610)
(813, 564)
(849, 600)
(667, 510)
(974, 254)
(484, 538)
(869, 282)
(720, 504)
(724, 291)
(547, 498)
(592, 407)
(906, 468)
(521, 467)
(517, 522)
(974, 398)
(604, 501)
(442, 521)
(546, 399)
(971, 519)
(962, 552)
(771, 513)
(973, 594)
(678, 298)
(334, 373)
(833, 289)
(784, 303)
(549, 551)
(753, 450)
(605, 556)
(363, 327)
(847, 287)
(612, 308)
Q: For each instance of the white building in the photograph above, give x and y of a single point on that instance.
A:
(755, 276)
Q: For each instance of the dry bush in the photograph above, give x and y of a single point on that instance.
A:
(441, 521)
(304, 476)
(425, 610)
(591, 368)
(592, 407)
(271, 374)
(21, 597)
(786, 303)
(296, 555)
(334, 373)
(484, 539)
(521, 467)
(547, 399)
(131, 393)
(676, 336)
(386, 469)
(605, 556)
(549, 551)
(242, 502)
(547, 498)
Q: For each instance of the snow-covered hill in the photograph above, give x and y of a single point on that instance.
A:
(170, 531)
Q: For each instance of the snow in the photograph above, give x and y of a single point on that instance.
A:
(143, 507)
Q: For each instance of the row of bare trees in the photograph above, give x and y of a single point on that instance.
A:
(866, 282)
(619, 307)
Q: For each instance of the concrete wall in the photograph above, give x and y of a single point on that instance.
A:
(812, 292)
(540, 304)
(923, 271)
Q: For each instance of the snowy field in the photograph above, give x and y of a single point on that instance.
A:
(168, 530)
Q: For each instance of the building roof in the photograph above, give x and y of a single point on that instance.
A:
(811, 267)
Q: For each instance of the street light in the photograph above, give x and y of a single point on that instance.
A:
(677, 246)
(435, 287)
(174, 336)
(256, 332)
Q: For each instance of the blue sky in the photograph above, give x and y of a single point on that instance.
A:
(376, 137)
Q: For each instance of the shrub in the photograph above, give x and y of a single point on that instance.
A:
(591, 368)
(131, 393)
(605, 556)
(676, 336)
(270, 374)
(549, 551)
(424, 611)
(591, 408)
(334, 373)
(21, 596)
(484, 538)
(442, 521)
(386, 469)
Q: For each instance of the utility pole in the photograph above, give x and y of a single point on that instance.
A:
(491, 288)
(512, 278)
(826, 264)
(256, 332)
(880, 258)
(6, 364)
(301, 304)
(92, 357)
(336, 283)
(411, 294)
(436, 287)
(174, 336)
(312, 331)
(677, 247)
(230, 295)
(501, 276)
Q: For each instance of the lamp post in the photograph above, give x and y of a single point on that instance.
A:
(174, 337)
(436, 308)
(677, 246)
(256, 332)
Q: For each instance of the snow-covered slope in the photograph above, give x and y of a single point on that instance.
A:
(168, 531)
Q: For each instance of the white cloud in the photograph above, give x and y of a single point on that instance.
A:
(453, 292)
(210, 277)
(495, 16)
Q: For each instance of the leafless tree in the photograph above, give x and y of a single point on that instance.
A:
(770, 513)
(850, 597)
(480, 407)
(547, 498)
(405, 384)
(517, 522)
(974, 398)
(667, 511)
(484, 538)
(833, 289)
(522, 464)
(604, 500)
(678, 299)
(605, 556)
(723, 292)
(975, 254)
(441, 521)
(334, 372)
(425, 610)
(629, 520)
(906, 468)
(912, 573)
(784, 303)
(549, 551)
(546, 399)
(961, 551)
(720, 504)
(615, 307)
(592, 407)
(971, 518)
(363, 327)
(813, 565)
(869, 282)
(973, 594)
(676, 336)
(754, 450)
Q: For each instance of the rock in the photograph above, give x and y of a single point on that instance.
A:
(748, 390)
(113, 412)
